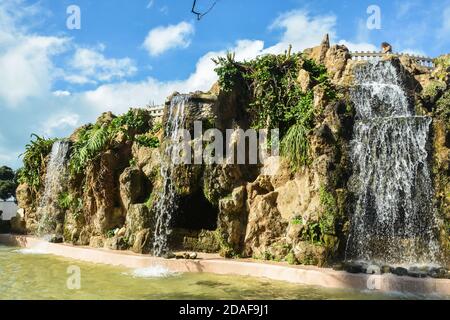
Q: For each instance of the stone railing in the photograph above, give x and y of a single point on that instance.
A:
(426, 62)
(157, 111)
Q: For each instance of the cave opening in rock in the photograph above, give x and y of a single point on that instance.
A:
(195, 213)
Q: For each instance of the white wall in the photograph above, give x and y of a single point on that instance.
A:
(9, 209)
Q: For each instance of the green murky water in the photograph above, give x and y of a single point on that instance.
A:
(24, 274)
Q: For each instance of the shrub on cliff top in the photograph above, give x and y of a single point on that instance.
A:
(277, 100)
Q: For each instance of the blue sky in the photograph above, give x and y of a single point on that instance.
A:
(131, 53)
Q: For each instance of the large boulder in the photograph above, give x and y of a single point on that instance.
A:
(319, 53)
(133, 186)
(148, 160)
(231, 221)
(265, 225)
(336, 59)
(23, 196)
(18, 223)
(138, 218)
(143, 241)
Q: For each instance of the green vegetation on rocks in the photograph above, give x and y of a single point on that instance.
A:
(277, 99)
(34, 161)
(8, 183)
(94, 139)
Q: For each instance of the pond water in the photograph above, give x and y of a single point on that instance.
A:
(30, 274)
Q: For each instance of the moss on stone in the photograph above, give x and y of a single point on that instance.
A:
(225, 249)
(433, 89)
(205, 241)
(291, 259)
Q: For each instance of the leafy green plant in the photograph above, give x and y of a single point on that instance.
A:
(68, 201)
(291, 259)
(297, 221)
(64, 200)
(228, 71)
(443, 107)
(295, 145)
(327, 220)
(226, 250)
(277, 101)
(156, 127)
(91, 142)
(442, 63)
(147, 141)
(95, 139)
(150, 200)
(34, 161)
(312, 233)
(135, 119)
(8, 183)
(110, 233)
(433, 89)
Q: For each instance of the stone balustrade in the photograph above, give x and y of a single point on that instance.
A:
(426, 62)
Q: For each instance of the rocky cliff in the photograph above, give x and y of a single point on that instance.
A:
(299, 213)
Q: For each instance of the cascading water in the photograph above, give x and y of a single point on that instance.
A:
(166, 204)
(394, 220)
(54, 185)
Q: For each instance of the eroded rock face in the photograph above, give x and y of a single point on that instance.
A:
(142, 242)
(138, 218)
(265, 225)
(133, 186)
(232, 220)
(23, 196)
(18, 223)
(147, 160)
(296, 215)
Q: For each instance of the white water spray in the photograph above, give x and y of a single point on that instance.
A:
(394, 220)
(166, 204)
(54, 184)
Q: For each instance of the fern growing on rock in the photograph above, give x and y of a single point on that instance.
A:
(34, 157)
(277, 99)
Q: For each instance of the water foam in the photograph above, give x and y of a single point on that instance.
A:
(394, 220)
(152, 272)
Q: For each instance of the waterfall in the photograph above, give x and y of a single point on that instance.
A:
(54, 184)
(166, 204)
(394, 220)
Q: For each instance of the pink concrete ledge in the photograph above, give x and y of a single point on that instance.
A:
(305, 275)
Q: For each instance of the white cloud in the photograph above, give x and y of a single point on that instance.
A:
(162, 39)
(60, 121)
(90, 66)
(444, 31)
(61, 93)
(26, 67)
(302, 30)
(358, 46)
(150, 4)
(59, 111)
(414, 52)
(120, 96)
